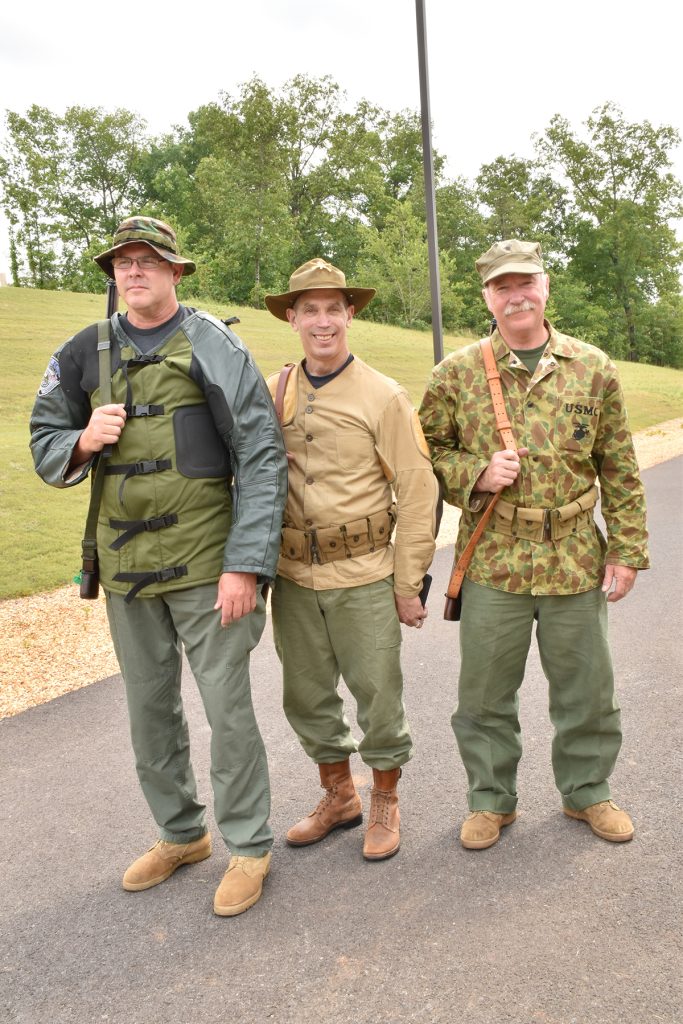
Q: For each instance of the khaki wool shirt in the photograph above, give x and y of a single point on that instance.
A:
(571, 416)
(355, 445)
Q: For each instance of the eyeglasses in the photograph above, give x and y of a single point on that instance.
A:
(143, 262)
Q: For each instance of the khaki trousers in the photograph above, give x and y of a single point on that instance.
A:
(321, 635)
(495, 636)
(147, 635)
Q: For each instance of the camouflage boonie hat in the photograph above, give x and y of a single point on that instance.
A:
(154, 233)
(317, 273)
(510, 257)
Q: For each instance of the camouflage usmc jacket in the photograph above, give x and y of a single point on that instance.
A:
(571, 416)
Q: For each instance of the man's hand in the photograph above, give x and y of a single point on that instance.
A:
(410, 611)
(501, 471)
(622, 577)
(236, 596)
(105, 426)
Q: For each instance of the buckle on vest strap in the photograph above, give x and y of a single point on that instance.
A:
(160, 523)
(149, 466)
(144, 410)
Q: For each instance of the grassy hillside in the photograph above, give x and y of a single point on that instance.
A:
(40, 527)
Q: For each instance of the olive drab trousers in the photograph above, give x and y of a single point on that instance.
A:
(352, 632)
(495, 636)
(147, 636)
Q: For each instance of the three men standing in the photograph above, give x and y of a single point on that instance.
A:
(182, 554)
(353, 443)
(542, 556)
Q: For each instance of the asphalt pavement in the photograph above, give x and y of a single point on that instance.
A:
(550, 926)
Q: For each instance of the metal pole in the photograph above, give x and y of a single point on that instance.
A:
(428, 163)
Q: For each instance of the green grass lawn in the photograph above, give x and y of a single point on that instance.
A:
(41, 527)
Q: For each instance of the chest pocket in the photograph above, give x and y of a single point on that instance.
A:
(576, 424)
(355, 448)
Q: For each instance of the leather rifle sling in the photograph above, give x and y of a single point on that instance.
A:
(504, 428)
(281, 388)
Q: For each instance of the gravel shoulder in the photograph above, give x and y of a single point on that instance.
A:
(53, 643)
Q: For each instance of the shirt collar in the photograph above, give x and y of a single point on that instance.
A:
(560, 345)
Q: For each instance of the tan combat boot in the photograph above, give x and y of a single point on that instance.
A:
(161, 861)
(242, 885)
(481, 829)
(605, 820)
(383, 838)
(340, 807)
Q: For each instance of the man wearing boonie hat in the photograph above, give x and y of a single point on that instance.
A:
(358, 465)
(541, 555)
(182, 555)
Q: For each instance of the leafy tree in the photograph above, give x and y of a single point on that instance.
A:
(463, 236)
(521, 200)
(396, 260)
(66, 182)
(624, 196)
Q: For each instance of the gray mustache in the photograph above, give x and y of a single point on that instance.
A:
(523, 307)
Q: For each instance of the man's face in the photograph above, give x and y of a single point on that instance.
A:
(148, 292)
(518, 302)
(321, 317)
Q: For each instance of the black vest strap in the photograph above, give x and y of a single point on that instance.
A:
(145, 579)
(133, 527)
(136, 469)
(136, 361)
(143, 360)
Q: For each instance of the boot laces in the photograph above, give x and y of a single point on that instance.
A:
(380, 808)
(329, 796)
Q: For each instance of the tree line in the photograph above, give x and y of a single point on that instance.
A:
(260, 181)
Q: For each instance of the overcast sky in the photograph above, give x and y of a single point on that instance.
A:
(498, 70)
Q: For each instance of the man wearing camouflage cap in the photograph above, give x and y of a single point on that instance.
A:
(541, 556)
(354, 446)
(182, 555)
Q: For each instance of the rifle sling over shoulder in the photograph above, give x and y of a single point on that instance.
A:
(452, 609)
(89, 571)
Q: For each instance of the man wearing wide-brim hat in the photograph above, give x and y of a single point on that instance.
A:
(541, 555)
(182, 555)
(358, 468)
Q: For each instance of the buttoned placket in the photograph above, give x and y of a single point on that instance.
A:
(525, 404)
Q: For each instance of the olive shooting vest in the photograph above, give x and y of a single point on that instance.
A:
(166, 505)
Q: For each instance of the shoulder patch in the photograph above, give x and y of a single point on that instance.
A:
(50, 378)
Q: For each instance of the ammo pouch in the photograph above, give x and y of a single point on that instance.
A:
(333, 543)
(544, 523)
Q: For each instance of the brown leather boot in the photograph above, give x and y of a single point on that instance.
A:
(339, 808)
(382, 838)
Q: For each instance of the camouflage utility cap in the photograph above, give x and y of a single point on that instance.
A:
(510, 257)
(154, 233)
(317, 273)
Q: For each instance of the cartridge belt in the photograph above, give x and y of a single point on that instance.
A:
(544, 523)
(333, 543)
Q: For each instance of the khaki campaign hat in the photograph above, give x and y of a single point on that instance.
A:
(510, 257)
(154, 233)
(317, 273)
